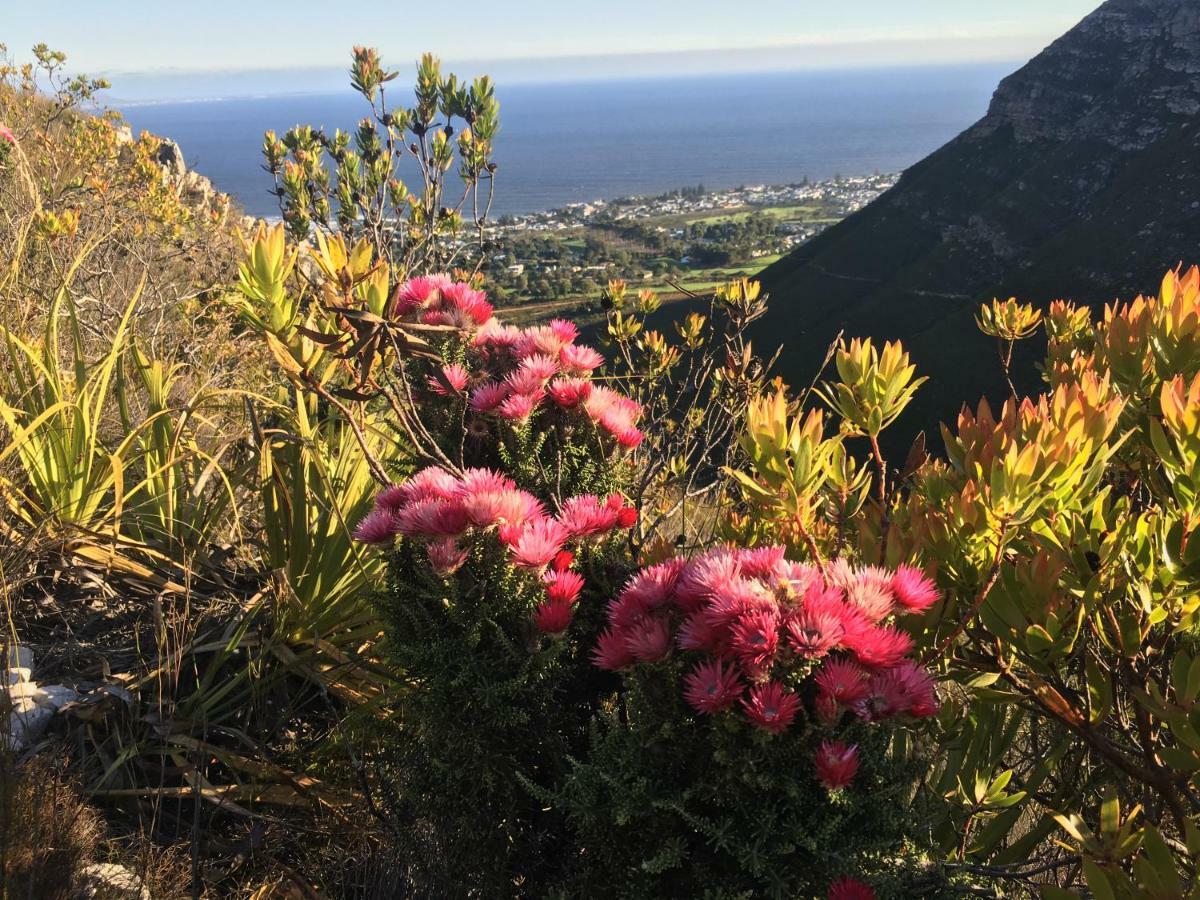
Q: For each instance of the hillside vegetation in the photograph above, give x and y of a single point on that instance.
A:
(323, 580)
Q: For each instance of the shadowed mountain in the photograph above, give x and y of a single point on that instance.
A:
(1081, 182)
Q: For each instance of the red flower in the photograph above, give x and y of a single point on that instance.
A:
(424, 292)
(771, 707)
(697, 633)
(877, 647)
(569, 392)
(812, 632)
(762, 562)
(538, 543)
(564, 586)
(553, 616)
(649, 639)
(755, 637)
(562, 560)
(712, 686)
(836, 764)
(905, 688)
(612, 651)
(913, 589)
(849, 889)
(627, 517)
(843, 680)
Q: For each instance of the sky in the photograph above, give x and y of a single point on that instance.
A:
(526, 39)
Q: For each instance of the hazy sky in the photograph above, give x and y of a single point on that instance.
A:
(223, 35)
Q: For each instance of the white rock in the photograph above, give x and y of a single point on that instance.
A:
(15, 675)
(24, 689)
(109, 880)
(20, 657)
(26, 727)
(56, 696)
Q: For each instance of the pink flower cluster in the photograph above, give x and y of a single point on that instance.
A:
(445, 511)
(758, 623)
(440, 300)
(520, 371)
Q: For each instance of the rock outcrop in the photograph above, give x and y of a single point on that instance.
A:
(1081, 181)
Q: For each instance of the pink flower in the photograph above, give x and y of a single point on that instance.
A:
(553, 616)
(580, 359)
(392, 497)
(849, 889)
(422, 292)
(547, 339)
(563, 330)
(877, 647)
(450, 379)
(612, 651)
(698, 633)
(762, 562)
(706, 576)
(712, 686)
(478, 480)
(446, 556)
(913, 589)
(376, 527)
(843, 680)
(487, 397)
(519, 407)
(754, 638)
(507, 507)
(7, 136)
(465, 306)
(432, 518)
(628, 437)
(871, 594)
(812, 632)
(649, 639)
(539, 543)
(905, 688)
(569, 392)
(494, 336)
(771, 707)
(586, 515)
(433, 483)
(836, 763)
(539, 368)
(564, 586)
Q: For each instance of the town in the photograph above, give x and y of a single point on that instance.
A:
(684, 240)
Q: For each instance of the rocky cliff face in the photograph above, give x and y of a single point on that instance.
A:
(1081, 181)
(1124, 75)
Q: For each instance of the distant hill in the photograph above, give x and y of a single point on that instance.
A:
(1082, 181)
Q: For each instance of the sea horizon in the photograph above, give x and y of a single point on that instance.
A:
(580, 141)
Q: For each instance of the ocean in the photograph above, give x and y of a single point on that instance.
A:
(570, 142)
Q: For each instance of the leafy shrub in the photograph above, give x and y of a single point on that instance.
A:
(740, 759)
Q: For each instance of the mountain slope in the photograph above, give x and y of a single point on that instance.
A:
(1082, 181)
